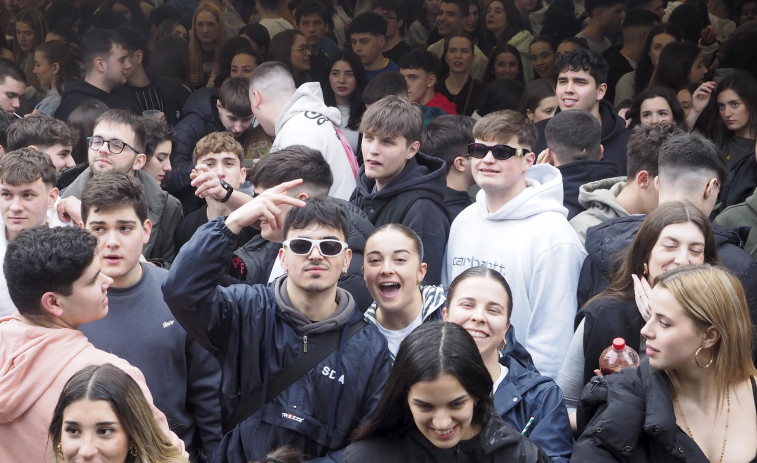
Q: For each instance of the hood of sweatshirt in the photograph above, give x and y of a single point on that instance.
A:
(543, 193)
(308, 99)
(422, 172)
(602, 194)
(79, 86)
(24, 375)
(202, 103)
(612, 124)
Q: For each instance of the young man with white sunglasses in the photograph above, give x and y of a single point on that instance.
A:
(261, 332)
(518, 227)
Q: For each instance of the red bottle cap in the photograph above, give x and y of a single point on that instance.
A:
(618, 343)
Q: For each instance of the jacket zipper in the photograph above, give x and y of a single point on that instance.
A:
(305, 343)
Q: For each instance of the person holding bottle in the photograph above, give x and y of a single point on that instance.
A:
(694, 398)
(673, 235)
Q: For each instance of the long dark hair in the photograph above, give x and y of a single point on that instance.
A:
(640, 250)
(674, 67)
(57, 51)
(746, 88)
(430, 351)
(634, 113)
(357, 108)
(645, 68)
(490, 75)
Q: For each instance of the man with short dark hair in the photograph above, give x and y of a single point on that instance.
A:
(577, 154)
(313, 21)
(447, 138)
(368, 36)
(269, 12)
(395, 14)
(55, 281)
(12, 85)
(259, 331)
(117, 144)
(106, 63)
(605, 16)
(421, 69)
(581, 84)
(184, 379)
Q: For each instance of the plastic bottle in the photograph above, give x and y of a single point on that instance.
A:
(617, 357)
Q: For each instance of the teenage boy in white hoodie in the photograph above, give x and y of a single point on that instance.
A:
(518, 227)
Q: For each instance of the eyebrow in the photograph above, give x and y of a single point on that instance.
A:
(100, 423)
(458, 399)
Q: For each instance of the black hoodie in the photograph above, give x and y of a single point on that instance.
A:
(78, 92)
(414, 198)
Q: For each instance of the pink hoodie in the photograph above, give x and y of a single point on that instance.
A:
(35, 364)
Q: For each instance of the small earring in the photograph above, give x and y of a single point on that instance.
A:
(502, 345)
(133, 451)
(645, 271)
(60, 451)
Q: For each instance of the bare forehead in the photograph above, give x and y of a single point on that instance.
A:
(110, 130)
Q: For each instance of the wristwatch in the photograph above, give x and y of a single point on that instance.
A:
(229, 190)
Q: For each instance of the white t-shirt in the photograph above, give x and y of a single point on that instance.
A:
(395, 337)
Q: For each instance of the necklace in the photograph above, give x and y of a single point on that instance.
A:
(727, 416)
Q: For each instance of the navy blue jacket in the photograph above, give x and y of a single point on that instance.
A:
(423, 180)
(254, 341)
(524, 394)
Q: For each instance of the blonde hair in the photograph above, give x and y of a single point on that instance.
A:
(218, 142)
(712, 296)
(195, 48)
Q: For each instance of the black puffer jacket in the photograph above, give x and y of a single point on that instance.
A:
(414, 198)
(497, 442)
(630, 419)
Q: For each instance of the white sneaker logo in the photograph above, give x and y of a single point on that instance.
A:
(167, 323)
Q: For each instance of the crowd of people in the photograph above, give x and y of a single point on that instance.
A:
(377, 230)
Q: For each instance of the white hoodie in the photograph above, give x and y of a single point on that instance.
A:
(306, 120)
(529, 241)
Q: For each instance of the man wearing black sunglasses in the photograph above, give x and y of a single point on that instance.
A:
(518, 227)
(261, 332)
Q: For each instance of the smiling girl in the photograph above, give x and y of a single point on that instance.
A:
(460, 87)
(437, 407)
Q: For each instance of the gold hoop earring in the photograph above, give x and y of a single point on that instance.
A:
(133, 451)
(502, 345)
(646, 270)
(696, 358)
(60, 450)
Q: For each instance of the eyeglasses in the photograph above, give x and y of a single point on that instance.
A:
(327, 248)
(115, 146)
(303, 49)
(500, 152)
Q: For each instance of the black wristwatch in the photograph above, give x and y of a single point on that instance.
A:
(229, 190)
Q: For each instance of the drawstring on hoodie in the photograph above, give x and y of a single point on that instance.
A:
(336, 384)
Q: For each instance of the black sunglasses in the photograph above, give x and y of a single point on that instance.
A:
(500, 152)
(327, 247)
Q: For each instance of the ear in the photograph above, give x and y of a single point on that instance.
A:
(657, 184)
(100, 64)
(219, 106)
(445, 314)
(530, 115)
(530, 159)
(255, 99)
(712, 188)
(431, 81)
(382, 41)
(302, 196)
(139, 161)
(51, 305)
(52, 197)
(643, 179)
(711, 337)
(282, 258)
(422, 269)
(347, 260)
(601, 90)
(459, 163)
(601, 152)
(138, 56)
(412, 149)
(56, 68)
(147, 228)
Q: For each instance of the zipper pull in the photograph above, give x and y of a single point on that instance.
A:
(305, 343)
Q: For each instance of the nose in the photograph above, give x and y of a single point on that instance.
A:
(167, 165)
(386, 267)
(682, 256)
(105, 149)
(16, 103)
(441, 420)
(16, 203)
(110, 239)
(315, 253)
(106, 281)
(87, 446)
(647, 330)
(342, 78)
(655, 119)
(70, 162)
(489, 158)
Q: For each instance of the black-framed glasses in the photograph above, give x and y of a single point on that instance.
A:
(500, 152)
(115, 146)
(327, 247)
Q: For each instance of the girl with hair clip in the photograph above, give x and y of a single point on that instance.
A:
(55, 65)
(291, 48)
(459, 86)
(693, 398)
(504, 62)
(393, 269)
(205, 42)
(539, 100)
(633, 83)
(103, 413)
(347, 81)
(736, 128)
(674, 235)
(656, 105)
(31, 30)
(437, 407)
(480, 300)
